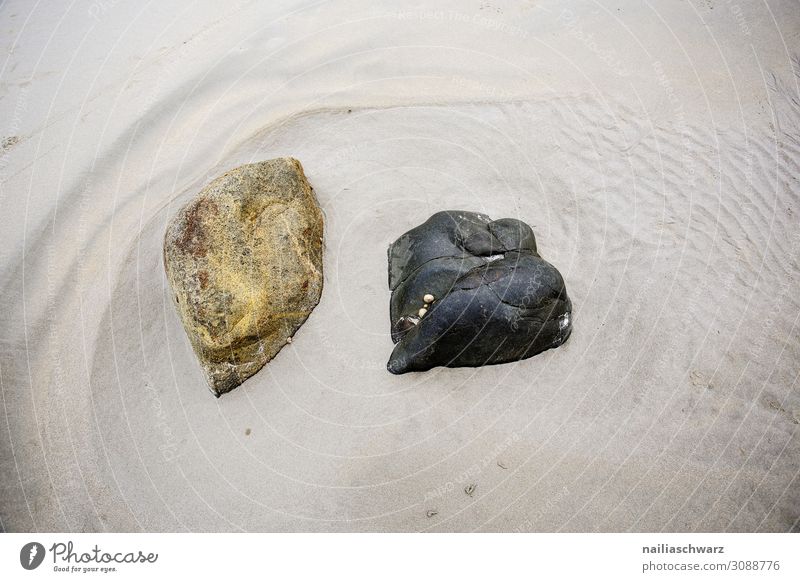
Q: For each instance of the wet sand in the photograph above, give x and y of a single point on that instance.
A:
(654, 150)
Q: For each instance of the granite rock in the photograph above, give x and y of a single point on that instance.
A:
(495, 299)
(244, 260)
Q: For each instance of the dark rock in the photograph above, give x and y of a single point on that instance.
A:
(495, 299)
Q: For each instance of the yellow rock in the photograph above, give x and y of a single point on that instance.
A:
(244, 260)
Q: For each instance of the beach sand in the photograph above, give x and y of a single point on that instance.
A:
(654, 149)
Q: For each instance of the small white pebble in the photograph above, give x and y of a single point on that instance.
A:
(288, 340)
(428, 298)
(422, 312)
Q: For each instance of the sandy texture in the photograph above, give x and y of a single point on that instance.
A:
(654, 149)
(244, 262)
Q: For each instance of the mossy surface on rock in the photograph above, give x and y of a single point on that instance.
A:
(244, 260)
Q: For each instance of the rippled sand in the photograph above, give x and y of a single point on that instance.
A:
(655, 151)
